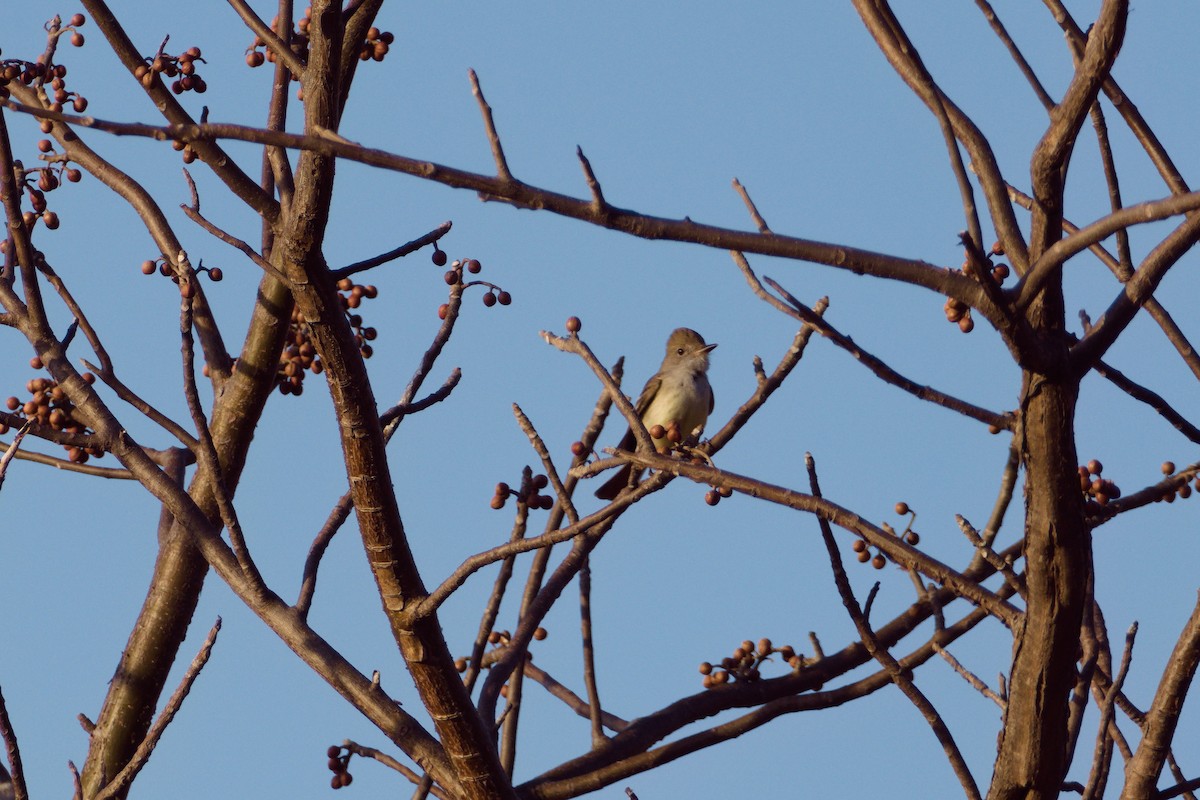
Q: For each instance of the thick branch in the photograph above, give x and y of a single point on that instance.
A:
(1141, 774)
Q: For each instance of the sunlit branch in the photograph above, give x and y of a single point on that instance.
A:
(522, 195)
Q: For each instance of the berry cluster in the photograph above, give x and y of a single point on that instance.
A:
(338, 764)
(256, 57)
(188, 288)
(862, 550)
(1183, 492)
(529, 494)
(27, 72)
(745, 663)
(454, 277)
(181, 67)
(498, 640)
(959, 312)
(1095, 488)
(48, 405)
(714, 495)
(374, 47)
(39, 181)
(301, 354)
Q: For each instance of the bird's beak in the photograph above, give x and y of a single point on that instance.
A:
(708, 348)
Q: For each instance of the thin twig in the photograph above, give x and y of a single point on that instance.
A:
(1002, 33)
(142, 754)
(193, 213)
(133, 399)
(1106, 715)
(400, 410)
(408, 247)
(1150, 398)
(990, 555)
(592, 183)
(385, 759)
(502, 170)
(206, 452)
(316, 551)
(573, 344)
(750, 207)
(808, 316)
(539, 447)
(589, 655)
(20, 791)
(899, 676)
(573, 701)
(970, 677)
(1109, 164)
(530, 611)
(491, 609)
(113, 473)
(11, 449)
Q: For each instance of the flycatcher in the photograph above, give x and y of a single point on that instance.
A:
(678, 395)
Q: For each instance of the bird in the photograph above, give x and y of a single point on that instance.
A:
(678, 395)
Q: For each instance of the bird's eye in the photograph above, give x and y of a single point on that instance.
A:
(679, 351)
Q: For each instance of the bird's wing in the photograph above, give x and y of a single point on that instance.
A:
(648, 392)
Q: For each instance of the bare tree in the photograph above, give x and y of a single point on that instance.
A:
(1035, 577)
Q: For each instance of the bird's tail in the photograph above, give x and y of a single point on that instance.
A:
(614, 485)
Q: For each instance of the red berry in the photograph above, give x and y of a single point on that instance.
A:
(439, 258)
(574, 324)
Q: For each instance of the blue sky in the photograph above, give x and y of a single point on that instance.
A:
(669, 103)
